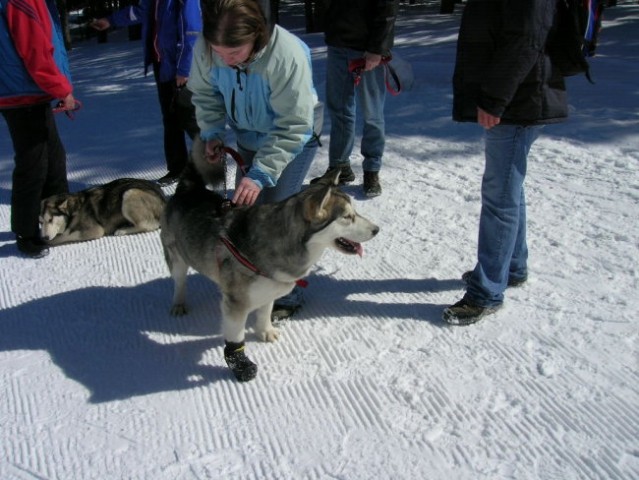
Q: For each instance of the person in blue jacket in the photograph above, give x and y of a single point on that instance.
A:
(35, 71)
(169, 31)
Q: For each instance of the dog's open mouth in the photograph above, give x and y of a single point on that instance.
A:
(349, 247)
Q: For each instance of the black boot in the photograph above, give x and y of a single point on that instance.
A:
(372, 187)
(346, 174)
(32, 247)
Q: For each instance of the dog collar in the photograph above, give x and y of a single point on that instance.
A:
(247, 263)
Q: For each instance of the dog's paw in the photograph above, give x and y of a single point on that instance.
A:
(119, 232)
(270, 335)
(243, 368)
(179, 309)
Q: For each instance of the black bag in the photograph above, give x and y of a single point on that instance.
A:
(574, 35)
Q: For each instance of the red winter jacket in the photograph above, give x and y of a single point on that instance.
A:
(36, 68)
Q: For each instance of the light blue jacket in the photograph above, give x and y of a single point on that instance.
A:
(269, 103)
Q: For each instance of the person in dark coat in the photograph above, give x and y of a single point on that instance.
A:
(504, 80)
(357, 29)
(169, 31)
(35, 71)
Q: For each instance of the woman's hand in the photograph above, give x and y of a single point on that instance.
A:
(246, 192)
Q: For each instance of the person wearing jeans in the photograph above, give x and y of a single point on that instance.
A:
(357, 29)
(341, 93)
(504, 80)
(256, 78)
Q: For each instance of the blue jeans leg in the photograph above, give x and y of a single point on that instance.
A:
(340, 102)
(341, 95)
(371, 95)
(292, 178)
(502, 248)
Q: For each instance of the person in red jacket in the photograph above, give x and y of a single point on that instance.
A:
(35, 71)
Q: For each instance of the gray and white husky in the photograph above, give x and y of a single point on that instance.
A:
(254, 254)
(120, 207)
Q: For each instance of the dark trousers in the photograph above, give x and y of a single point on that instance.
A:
(40, 164)
(178, 118)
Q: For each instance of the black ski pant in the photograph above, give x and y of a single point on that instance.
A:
(178, 119)
(40, 164)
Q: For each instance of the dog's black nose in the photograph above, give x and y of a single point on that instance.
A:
(375, 231)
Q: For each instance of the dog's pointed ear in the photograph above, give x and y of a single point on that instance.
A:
(315, 206)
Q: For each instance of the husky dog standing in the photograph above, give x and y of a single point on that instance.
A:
(120, 207)
(255, 254)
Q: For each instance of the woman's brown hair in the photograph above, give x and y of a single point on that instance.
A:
(232, 23)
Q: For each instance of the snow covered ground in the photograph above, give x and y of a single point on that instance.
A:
(98, 381)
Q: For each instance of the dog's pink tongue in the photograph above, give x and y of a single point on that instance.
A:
(359, 250)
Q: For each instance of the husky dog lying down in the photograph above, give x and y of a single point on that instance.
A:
(120, 207)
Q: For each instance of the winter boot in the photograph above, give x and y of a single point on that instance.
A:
(465, 312)
(372, 187)
(346, 174)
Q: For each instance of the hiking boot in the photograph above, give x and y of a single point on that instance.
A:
(32, 247)
(168, 179)
(372, 187)
(346, 174)
(284, 307)
(465, 312)
(512, 281)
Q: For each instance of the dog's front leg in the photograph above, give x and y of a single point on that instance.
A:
(71, 236)
(233, 329)
(263, 326)
(178, 268)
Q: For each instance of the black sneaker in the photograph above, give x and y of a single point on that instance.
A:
(346, 174)
(372, 187)
(168, 179)
(512, 281)
(465, 312)
(32, 247)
